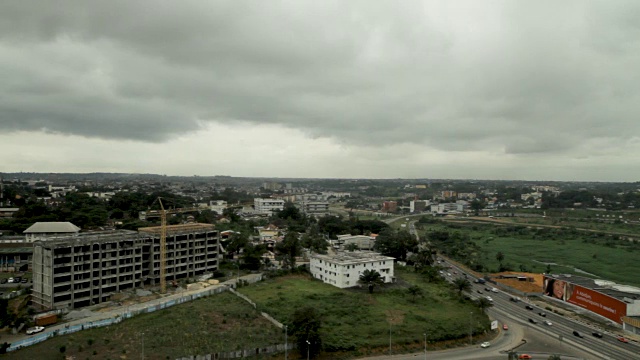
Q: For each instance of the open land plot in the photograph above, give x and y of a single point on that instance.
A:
(354, 320)
(568, 250)
(221, 322)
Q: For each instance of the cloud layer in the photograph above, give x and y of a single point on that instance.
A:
(503, 82)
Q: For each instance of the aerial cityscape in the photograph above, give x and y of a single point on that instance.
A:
(319, 180)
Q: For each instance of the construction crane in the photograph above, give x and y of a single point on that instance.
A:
(163, 238)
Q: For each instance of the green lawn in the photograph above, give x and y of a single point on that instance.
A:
(221, 322)
(356, 320)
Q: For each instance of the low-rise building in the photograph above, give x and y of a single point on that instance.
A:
(44, 230)
(343, 270)
(268, 206)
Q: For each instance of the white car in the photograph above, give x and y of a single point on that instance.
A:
(489, 298)
(10, 280)
(485, 344)
(548, 323)
(494, 290)
(34, 330)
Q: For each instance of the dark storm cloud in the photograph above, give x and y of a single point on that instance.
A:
(515, 77)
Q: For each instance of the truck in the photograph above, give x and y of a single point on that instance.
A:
(46, 319)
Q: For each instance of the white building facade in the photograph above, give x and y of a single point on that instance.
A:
(268, 206)
(343, 270)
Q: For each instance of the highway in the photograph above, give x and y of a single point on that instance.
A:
(608, 347)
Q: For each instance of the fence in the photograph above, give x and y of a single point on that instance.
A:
(242, 353)
(116, 318)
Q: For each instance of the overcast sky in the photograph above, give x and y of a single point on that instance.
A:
(538, 90)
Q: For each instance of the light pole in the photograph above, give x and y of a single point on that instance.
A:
(470, 328)
(425, 346)
(389, 338)
(142, 334)
(308, 347)
(238, 275)
(285, 342)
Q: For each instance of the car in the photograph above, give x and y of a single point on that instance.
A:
(34, 330)
(485, 344)
(10, 280)
(25, 280)
(505, 327)
(479, 291)
(542, 314)
(529, 307)
(597, 334)
(623, 339)
(494, 290)
(514, 299)
(17, 279)
(533, 321)
(575, 333)
(489, 298)
(487, 289)
(548, 323)
(525, 356)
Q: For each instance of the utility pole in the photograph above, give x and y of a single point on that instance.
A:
(285, 342)
(425, 346)
(470, 328)
(389, 338)
(142, 345)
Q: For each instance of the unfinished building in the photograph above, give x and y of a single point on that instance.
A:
(86, 269)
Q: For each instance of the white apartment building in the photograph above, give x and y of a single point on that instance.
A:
(267, 206)
(343, 270)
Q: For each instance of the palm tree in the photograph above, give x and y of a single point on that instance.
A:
(483, 304)
(461, 285)
(414, 291)
(371, 278)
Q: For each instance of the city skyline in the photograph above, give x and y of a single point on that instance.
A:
(422, 89)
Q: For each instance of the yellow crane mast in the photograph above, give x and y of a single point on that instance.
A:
(163, 239)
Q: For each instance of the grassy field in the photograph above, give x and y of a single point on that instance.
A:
(354, 320)
(530, 248)
(221, 322)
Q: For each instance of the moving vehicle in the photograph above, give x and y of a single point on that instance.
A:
(533, 321)
(479, 291)
(34, 330)
(525, 356)
(597, 334)
(485, 344)
(489, 298)
(514, 299)
(529, 307)
(623, 339)
(505, 327)
(548, 323)
(494, 290)
(542, 314)
(575, 333)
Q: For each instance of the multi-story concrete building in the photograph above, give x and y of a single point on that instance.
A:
(268, 206)
(72, 272)
(343, 270)
(416, 206)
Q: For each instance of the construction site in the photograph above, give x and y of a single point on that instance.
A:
(87, 269)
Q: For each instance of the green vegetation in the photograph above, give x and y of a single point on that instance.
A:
(353, 320)
(221, 322)
(531, 248)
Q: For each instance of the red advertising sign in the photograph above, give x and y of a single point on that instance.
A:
(591, 300)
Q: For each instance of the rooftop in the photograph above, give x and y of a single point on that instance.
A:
(352, 257)
(52, 227)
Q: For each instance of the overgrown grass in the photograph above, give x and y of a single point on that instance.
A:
(221, 322)
(355, 320)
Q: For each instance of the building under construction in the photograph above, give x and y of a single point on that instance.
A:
(86, 269)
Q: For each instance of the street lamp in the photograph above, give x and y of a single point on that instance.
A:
(425, 346)
(470, 328)
(308, 347)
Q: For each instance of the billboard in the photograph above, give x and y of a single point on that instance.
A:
(586, 298)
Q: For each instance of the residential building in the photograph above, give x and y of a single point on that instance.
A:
(389, 206)
(218, 206)
(317, 208)
(363, 242)
(416, 206)
(82, 270)
(343, 270)
(44, 230)
(268, 206)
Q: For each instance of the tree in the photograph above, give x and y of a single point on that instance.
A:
(351, 247)
(288, 249)
(371, 278)
(237, 241)
(476, 205)
(305, 326)
(483, 303)
(252, 256)
(414, 291)
(396, 244)
(461, 284)
(500, 257)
